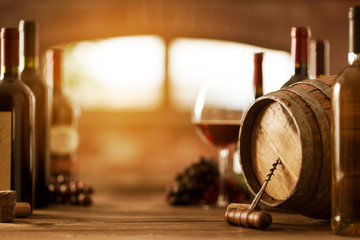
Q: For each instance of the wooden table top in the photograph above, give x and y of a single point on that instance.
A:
(148, 216)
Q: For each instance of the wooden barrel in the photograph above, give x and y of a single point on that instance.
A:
(292, 124)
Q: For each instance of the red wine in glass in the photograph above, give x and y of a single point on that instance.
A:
(220, 133)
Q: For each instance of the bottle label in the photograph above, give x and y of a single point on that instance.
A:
(64, 139)
(5, 150)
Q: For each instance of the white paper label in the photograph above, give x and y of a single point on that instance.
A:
(63, 139)
(5, 150)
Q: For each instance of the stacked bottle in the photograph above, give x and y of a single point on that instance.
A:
(346, 139)
(64, 138)
(319, 58)
(30, 76)
(17, 111)
(300, 39)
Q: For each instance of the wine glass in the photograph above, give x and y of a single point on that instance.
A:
(217, 116)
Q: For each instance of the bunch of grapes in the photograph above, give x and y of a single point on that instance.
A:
(64, 190)
(198, 184)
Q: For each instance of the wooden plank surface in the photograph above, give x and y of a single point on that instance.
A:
(148, 216)
(270, 143)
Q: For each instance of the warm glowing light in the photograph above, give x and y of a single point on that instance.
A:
(117, 73)
(127, 73)
(193, 62)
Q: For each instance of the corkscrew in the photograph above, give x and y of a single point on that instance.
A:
(251, 216)
(257, 198)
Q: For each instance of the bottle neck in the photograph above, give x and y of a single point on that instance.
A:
(56, 77)
(300, 40)
(9, 72)
(28, 45)
(354, 34)
(299, 55)
(301, 69)
(258, 75)
(319, 58)
(9, 53)
(54, 69)
(57, 88)
(29, 63)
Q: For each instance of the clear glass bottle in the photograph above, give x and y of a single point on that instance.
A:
(64, 137)
(16, 122)
(29, 75)
(300, 40)
(258, 74)
(345, 218)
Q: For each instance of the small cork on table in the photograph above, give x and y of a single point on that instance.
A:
(22, 210)
(7, 206)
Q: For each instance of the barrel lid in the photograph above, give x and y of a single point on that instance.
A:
(269, 144)
(276, 126)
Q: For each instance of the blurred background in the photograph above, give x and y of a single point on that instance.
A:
(134, 68)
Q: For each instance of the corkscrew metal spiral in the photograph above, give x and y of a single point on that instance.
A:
(251, 216)
(263, 187)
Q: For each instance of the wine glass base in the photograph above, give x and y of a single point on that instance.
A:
(222, 202)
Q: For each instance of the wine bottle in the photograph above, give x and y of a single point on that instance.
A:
(30, 76)
(345, 218)
(319, 58)
(16, 122)
(64, 137)
(300, 38)
(258, 74)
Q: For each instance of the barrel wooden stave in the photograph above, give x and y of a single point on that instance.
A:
(320, 202)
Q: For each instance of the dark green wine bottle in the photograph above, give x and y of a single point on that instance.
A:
(300, 40)
(30, 76)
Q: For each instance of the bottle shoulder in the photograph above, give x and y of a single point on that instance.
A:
(32, 79)
(10, 87)
(60, 99)
(39, 89)
(350, 76)
(62, 104)
(15, 93)
(63, 111)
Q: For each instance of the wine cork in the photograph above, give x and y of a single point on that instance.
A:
(22, 209)
(7, 206)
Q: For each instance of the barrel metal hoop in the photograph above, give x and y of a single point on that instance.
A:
(245, 131)
(324, 125)
(325, 89)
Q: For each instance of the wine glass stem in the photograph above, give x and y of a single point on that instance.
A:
(223, 197)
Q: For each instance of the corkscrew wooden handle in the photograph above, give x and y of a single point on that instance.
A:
(248, 218)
